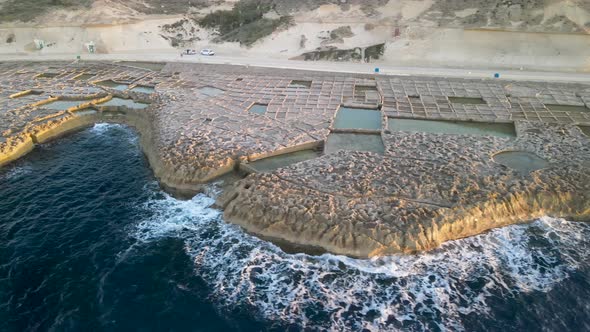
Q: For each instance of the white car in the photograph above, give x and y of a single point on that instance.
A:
(207, 52)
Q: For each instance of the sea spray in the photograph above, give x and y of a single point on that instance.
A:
(16, 171)
(432, 290)
(88, 241)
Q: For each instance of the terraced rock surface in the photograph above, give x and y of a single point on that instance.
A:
(420, 188)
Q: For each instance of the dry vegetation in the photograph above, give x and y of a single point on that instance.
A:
(248, 14)
(245, 22)
(27, 10)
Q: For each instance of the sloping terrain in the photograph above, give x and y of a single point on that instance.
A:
(496, 33)
(523, 15)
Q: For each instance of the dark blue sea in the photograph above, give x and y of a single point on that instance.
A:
(88, 242)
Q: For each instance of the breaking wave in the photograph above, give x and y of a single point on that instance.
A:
(435, 290)
(106, 128)
(16, 171)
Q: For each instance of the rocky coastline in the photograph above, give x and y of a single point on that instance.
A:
(401, 191)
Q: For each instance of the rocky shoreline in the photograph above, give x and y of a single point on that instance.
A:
(361, 204)
(401, 191)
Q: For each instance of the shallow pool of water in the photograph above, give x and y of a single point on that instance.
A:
(567, 108)
(258, 109)
(521, 161)
(272, 163)
(84, 77)
(299, 84)
(357, 118)
(467, 101)
(452, 127)
(210, 91)
(354, 142)
(48, 75)
(125, 102)
(153, 66)
(113, 85)
(62, 105)
(86, 111)
(144, 89)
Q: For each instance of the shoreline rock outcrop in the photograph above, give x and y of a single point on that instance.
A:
(362, 204)
(421, 189)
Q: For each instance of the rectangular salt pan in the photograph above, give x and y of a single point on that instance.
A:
(467, 101)
(153, 66)
(48, 75)
(114, 85)
(357, 118)
(258, 109)
(354, 142)
(62, 105)
(453, 127)
(84, 77)
(144, 89)
(130, 103)
(271, 163)
(299, 84)
(567, 108)
(210, 91)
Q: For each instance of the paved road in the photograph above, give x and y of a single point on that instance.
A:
(322, 66)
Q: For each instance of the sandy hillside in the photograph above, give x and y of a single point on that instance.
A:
(552, 34)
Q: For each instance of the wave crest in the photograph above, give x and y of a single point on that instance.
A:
(433, 290)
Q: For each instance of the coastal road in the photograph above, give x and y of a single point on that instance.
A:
(344, 67)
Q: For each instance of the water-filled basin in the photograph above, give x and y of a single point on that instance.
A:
(113, 85)
(567, 108)
(467, 101)
(354, 142)
(521, 161)
(153, 66)
(130, 103)
(258, 109)
(84, 77)
(144, 89)
(300, 84)
(271, 163)
(357, 118)
(62, 105)
(48, 75)
(210, 91)
(453, 127)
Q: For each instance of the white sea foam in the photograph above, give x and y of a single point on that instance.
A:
(107, 130)
(103, 128)
(419, 292)
(16, 172)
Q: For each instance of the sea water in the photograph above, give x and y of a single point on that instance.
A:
(88, 242)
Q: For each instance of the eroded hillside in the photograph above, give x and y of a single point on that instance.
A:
(525, 15)
(499, 33)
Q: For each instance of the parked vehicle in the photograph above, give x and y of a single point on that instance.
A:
(207, 52)
(190, 52)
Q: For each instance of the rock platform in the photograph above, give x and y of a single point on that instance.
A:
(417, 190)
